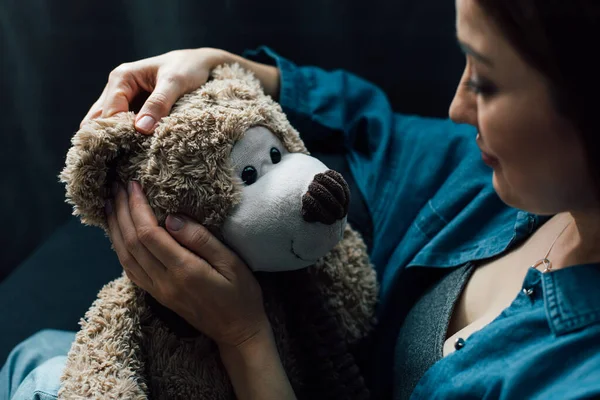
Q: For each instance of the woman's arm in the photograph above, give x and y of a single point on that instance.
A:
(268, 75)
(255, 368)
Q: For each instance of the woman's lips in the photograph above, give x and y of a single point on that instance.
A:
(487, 158)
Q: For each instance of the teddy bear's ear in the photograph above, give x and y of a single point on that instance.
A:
(235, 71)
(103, 151)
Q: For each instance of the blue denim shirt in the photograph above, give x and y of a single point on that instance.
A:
(433, 206)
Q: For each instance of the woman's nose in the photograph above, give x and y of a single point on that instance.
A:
(463, 109)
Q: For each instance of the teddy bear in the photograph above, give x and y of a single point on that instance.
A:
(228, 157)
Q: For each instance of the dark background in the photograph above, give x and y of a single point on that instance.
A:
(55, 57)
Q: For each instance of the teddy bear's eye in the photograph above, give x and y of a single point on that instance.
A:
(249, 175)
(275, 155)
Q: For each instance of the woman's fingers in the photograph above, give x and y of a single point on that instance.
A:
(132, 268)
(154, 238)
(204, 244)
(158, 105)
(153, 267)
(124, 83)
(219, 297)
(166, 77)
(95, 110)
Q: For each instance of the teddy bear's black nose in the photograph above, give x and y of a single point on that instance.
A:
(327, 198)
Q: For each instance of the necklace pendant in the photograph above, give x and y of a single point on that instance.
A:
(547, 265)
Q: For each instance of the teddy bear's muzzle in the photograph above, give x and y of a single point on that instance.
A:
(327, 198)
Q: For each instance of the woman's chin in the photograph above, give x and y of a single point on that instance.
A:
(503, 190)
(512, 198)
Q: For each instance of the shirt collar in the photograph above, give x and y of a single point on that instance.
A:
(572, 297)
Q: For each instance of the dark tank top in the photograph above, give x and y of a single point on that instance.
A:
(422, 335)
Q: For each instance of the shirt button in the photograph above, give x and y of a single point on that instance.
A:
(459, 344)
(528, 292)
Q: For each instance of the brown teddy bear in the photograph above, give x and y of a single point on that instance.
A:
(227, 157)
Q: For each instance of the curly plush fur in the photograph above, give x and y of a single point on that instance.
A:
(124, 348)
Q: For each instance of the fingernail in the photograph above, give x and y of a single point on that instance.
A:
(174, 223)
(108, 208)
(146, 123)
(132, 186)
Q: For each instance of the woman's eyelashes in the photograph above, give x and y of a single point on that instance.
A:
(481, 86)
(250, 173)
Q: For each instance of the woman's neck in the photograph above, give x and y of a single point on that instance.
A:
(580, 241)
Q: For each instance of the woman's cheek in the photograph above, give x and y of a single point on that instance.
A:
(500, 138)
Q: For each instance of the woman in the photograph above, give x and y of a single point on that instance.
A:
(461, 314)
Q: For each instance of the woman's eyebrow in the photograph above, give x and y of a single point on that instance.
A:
(476, 55)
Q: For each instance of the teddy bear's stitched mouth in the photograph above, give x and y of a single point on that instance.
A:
(298, 256)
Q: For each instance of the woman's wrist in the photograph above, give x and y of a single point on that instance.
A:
(216, 56)
(255, 368)
(249, 349)
(268, 75)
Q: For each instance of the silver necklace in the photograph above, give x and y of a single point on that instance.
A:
(545, 261)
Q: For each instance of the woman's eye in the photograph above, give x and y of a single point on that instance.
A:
(249, 175)
(275, 155)
(481, 86)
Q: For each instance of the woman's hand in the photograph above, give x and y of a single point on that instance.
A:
(167, 77)
(188, 270)
(191, 272)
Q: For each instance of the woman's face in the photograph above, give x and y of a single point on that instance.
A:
(536, 154)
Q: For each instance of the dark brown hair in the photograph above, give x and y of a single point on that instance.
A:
(560, 39)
